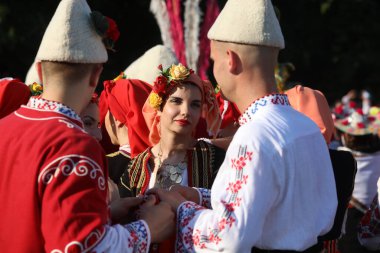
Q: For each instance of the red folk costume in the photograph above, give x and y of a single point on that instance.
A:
(62, 204)
(60, 166)
(13, 94)
(53, 179)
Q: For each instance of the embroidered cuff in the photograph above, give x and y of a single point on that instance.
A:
(140, 236)
(204, 197)
(185, 213)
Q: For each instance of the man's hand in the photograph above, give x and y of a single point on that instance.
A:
(122, 210)
(159, 217)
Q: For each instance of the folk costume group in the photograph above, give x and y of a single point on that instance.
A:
(174, 185)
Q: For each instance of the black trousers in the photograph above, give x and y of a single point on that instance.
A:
(314, 249)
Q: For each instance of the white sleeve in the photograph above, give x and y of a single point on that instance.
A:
(133, 237)
(204, 197)
(243, 193)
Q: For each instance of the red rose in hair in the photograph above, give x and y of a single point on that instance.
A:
(345, 122)
(112, 31)
(361, 125)
(160, 84)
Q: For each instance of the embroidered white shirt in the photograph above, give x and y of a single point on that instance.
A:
(274, 190)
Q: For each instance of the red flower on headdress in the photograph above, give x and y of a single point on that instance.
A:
(360, 111)
(352, 104)
(160, 85)
(112, 31)
(371, 118)
(345, 122)
(360, 125)
(339, 109)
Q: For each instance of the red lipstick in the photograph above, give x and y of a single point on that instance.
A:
(183, 122)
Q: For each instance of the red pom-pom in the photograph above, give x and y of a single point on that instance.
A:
(112, 32)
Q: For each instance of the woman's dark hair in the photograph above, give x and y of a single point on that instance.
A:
(369, 143)
(170, 91)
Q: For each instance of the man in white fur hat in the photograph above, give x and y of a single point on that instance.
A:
(53, 176)
(275, 191)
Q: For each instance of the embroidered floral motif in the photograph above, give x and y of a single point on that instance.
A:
(272, 99)
(139, 236)
(42, 104)
(73, 165)
(206, 197)
(90, 241)
(187, 211)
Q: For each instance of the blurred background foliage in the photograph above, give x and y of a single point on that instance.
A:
(333, 44)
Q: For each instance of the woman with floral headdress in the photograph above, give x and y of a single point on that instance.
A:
(359, 135)
(172, 110)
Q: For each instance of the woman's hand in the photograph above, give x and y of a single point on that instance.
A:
(122, 209)
(159, 217)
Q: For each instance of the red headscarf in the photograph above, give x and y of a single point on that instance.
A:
(125, 98)
(13, 94)
(229, 111)
(210, 110)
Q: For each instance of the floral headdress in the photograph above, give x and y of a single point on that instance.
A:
(358, 123)
(106, 27)
(167, 80)
(164, 83)
(36, 89)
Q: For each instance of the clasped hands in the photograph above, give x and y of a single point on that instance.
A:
(157, 208)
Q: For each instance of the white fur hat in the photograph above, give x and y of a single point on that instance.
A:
(251, 22)
(71, 36)
(32, 75)
(145, 67)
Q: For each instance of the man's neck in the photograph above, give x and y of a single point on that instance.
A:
(253, 90)
(70, 95)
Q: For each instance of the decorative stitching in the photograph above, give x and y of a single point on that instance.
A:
(89, 242)
(187, 210)
(72, 165)
(271, 99)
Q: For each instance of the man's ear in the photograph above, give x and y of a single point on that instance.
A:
(38, 67)
(95, 74)
(234, 62)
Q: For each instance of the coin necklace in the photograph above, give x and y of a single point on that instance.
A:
(169, 174)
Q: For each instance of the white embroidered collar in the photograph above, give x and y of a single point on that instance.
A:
(47, 105)
(271, 99)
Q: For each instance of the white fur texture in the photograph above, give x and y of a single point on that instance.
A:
(252, 22)
(71, 36)
(158, 8)
(32, 75)
(191, 29)
(145, 67)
